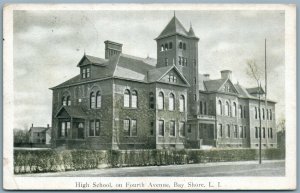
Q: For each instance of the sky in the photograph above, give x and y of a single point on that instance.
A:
(47, 46)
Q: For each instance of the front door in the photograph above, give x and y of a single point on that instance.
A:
(80, 131)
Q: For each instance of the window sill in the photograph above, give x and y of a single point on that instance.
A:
(131, 136)
(130, 108)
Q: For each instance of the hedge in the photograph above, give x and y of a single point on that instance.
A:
(33, 161)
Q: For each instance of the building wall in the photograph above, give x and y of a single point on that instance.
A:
(254, 122)
(166, 115)
(142, 114)
(80, 96)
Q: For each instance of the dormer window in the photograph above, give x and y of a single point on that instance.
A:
(86, 72)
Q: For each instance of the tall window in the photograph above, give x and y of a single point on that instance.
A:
(245, 134)
(166, 61)
(134, 99)
(162, 48)
(245, 112)
(234, 109)
(171, 102)
(220, 131)
(241, 132)
(172, 128)
(68, 101)
(98, 99)
(88, 73)
(263, 113)
(255, 112)
(201, 107)
(160, 101)
(267, 111)
(181, 103)
(152, 128)
(93, 100)
(65, 126)
(166, 46)
(189, 128)
(228, 131)
(240, 111)
(83, 72)
(94, 128)
(126, 126)
(170, 45)
(126, 98)
(270, 114)
(263, 132)
(151, 100)
(130, 127)
(184, 46)
(271, 133)
(161, 128)
(219, 109)
(235, 131)
(133, 128)
(182, 128)
(227, 109)
(205, 108)
(64, 101)
(179, 60)
(256, 132)
(180, 45)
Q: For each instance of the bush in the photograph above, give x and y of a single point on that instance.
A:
(28, 161)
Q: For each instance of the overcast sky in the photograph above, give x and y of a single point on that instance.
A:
(49, 44)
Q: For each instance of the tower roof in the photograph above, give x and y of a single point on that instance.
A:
(191, 32)
(173, 27)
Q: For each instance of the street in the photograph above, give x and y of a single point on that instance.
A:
(243, 168)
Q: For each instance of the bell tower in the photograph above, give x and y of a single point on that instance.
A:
(179, 47)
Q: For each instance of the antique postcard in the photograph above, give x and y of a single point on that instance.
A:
(149, 97)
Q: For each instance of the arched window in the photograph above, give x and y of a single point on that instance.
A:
(166, 46)
(234, 109)
(151, 100)
(160, 101)
(93, 100)
(227, 109)
(184, 46)
(181, 103)
(219, 109)
(240, 111)
(134, 98)
(64, 101)
(180, 45)
(171, 102)
(162, 48)
(126, 98)
(68, 101)
(98, 99)
(270, 114)
(170, 45)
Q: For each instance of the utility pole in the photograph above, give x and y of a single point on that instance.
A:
(259, 113)
(266, 83)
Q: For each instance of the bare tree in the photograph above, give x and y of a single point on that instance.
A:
(255, 73)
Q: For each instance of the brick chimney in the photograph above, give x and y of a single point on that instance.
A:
(112, 48)
(226, 74)
(206, 77)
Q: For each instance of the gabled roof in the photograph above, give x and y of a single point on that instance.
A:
(72, 111)
(173, 27)
(158, 73)
(256, 90)
(214, 85)
(242, 91)
(92, 60)
(38, 129)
